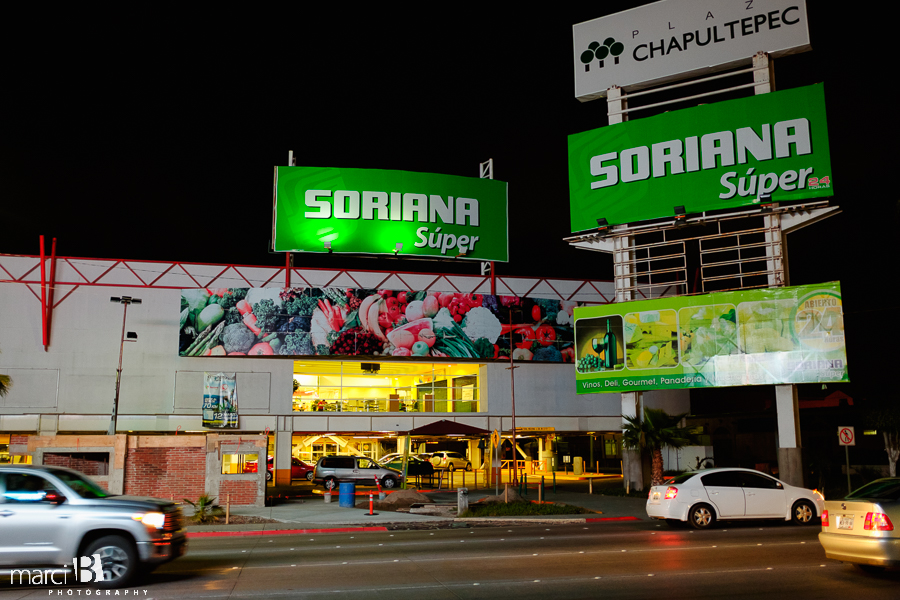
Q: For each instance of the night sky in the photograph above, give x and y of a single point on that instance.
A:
(155, 137)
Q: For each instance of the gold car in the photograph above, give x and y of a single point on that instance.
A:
(860, 528)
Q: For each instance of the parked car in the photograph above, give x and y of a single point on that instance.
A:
(333, 469)
(48, 515)
(451, 461)
(859, 529)
(703, 497)
(414, 467)
(299, 469)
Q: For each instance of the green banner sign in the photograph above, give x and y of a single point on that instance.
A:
(374, 211)
(749, 337)
(711, 157)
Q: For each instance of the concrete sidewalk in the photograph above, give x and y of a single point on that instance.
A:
(312, 512)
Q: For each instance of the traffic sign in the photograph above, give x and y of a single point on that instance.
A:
(846, 436)
(495, 438)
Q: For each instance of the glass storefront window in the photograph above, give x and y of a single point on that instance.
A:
(331, 386)
(11, 459)
(237, 464)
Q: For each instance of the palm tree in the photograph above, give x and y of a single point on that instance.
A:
(658, 429)
(5, 384)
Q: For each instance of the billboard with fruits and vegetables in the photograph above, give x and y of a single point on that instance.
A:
(749, 337)
(374, 211)
(338, 322)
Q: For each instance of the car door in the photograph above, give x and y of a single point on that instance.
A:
(763, 496)
(368, 470)
(34, 529)
(725, 492)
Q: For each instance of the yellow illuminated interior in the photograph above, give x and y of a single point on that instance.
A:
(340, 386)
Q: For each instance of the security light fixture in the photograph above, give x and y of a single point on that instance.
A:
(129, 337)
(680, 212)
(328, 246)
(398, 247)
(602, 223)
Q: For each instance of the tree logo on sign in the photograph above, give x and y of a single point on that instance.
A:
(601, 52)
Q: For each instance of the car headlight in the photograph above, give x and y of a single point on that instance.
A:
(153, 520)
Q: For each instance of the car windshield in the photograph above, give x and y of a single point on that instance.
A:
(82, 486)
(883, 489)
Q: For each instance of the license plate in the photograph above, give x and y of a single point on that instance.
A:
(845, 522)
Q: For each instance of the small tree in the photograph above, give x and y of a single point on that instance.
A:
(205, 509)
(658, 429)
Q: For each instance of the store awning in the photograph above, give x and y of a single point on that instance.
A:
(445, 427)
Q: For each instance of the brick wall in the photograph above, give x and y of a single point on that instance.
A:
(18, 439)
(242, 492)
(166, 472)
(94, 463)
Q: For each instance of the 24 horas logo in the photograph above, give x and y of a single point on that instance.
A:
(600, 52)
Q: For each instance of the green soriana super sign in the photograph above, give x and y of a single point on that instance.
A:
(710, 157)
(374, 211)
(749, 337)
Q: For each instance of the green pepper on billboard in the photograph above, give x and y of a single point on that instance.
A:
(373, 211)
(748, 337)
(772, 147)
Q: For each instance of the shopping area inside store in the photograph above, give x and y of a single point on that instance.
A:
(348, 386)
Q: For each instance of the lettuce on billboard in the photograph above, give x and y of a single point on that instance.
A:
(337, 322)
(711, 157)
(749, 337)
(373, 211)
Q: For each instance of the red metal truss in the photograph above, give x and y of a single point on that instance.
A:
(73, 272)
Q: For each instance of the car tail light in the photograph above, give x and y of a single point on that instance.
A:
(878, 522)
(824, 518)
(671, 492)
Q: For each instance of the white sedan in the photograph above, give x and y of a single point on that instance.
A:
(702, 497)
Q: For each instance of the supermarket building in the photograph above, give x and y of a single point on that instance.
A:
(58, 410)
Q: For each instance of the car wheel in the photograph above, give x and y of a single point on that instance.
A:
(309, 475)
(118, 560)
(451, 467)
(330, 483)
(468, 466)
(803, 513)
(388, 482)
(701, 516)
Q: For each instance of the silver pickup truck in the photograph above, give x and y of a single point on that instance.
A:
(51, 517)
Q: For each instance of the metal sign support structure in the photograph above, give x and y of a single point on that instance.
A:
(635, 264)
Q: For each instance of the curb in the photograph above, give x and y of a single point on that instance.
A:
(208, 534)
(540, 521)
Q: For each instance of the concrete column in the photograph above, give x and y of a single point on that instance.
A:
(790, 462)
(632, 404)
(282, 457)
(545, 451)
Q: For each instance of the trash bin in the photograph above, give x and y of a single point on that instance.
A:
(578, 466)
(347, 495)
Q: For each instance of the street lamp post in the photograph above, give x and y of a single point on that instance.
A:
(129, 337)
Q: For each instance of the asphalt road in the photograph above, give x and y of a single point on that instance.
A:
(595, 560)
